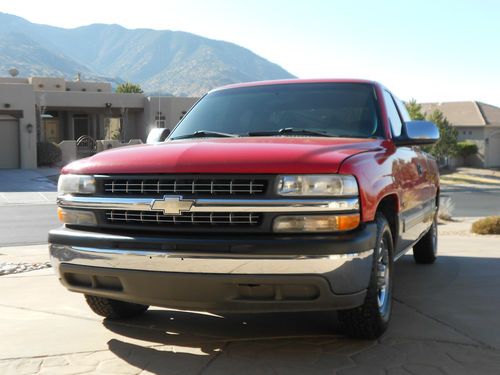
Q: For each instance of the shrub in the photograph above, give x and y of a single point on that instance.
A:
(466, 148)
(48, 153)
(487, 225)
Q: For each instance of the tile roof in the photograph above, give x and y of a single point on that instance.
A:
(466, 113)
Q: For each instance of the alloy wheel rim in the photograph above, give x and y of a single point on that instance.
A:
(383, 276)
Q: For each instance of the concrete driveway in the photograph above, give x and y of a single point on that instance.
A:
(446, 321)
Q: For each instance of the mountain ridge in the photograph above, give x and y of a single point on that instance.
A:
(161, 61)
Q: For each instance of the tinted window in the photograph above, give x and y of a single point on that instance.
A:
(393, 114)
(338, 109)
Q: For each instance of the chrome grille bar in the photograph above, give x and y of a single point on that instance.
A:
(233, 186)
(190, 218)
(216, 205)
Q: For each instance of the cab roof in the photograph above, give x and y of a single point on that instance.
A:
(295, 81)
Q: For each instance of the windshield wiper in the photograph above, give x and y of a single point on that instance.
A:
(205, 133)
(291, 131)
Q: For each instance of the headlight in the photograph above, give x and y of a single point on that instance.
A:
(76, 217)
(315, 223)
(75, 184)
(327, 184)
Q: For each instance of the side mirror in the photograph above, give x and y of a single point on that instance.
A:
(417, 133)
(157, 135)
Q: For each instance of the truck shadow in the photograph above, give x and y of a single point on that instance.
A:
(429, 308)
(168, 327)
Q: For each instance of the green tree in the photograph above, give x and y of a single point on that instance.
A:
(129, 88)
(447, 144)
(414, 110)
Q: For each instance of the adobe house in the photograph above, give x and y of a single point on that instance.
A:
(53, 109)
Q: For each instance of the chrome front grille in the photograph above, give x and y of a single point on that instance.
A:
(186, 218)
(194, 186)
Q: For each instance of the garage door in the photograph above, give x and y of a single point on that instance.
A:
(494, 150)
(9, 144)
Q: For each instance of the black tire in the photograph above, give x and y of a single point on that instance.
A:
(425, 250)
(114, 309)
(371, 319)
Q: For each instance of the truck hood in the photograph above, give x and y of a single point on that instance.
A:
(259, 155)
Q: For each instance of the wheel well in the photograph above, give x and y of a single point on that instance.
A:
(388, 206)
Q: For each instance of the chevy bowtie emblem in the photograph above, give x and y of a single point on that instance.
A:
(172, 205)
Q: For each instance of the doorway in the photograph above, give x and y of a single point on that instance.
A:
(80, 126)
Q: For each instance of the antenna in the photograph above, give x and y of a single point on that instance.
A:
(13, 72)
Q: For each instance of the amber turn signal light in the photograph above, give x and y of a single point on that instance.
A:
(316, 223)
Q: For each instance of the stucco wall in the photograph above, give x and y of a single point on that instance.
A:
(493, 146)
(88, 86)
(170, 107)
(48, 83)
(20, 97)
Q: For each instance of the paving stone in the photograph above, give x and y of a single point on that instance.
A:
(397, 371)
(347, 346)
(382, 355)
(418, 352)
(423, 369)
(362, 370)
(25, 366)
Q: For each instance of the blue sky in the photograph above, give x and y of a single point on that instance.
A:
(438, 50)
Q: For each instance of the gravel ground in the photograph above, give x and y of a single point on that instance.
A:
(7, 268)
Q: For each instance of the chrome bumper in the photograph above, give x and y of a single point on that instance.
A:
(201, 263)
(346, 273)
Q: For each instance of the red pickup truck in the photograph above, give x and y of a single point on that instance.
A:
(271, 196)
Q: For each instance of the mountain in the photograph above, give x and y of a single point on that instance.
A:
(161, 61)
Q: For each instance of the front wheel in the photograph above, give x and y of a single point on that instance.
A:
(371, 319)
(114, 309)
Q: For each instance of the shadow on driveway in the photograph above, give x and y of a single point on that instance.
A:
(445, 320)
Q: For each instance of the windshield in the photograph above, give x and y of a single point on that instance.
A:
(334, 109)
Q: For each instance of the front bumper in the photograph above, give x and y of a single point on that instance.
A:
(218, 273)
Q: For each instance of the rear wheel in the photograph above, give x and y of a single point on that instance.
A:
(114, 309)
(371, 319)
(425, 250)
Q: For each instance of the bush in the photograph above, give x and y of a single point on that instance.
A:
(487, 225)
(466, 148)
(48, 153)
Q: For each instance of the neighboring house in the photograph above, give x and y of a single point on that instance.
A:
(477, 122)
(52, 109)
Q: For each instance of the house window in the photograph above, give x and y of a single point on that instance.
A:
(161, 123)
(470, 132)
(160, 120)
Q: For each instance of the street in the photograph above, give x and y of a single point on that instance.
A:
(27, 206)
(469, 201)
(26, 224)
